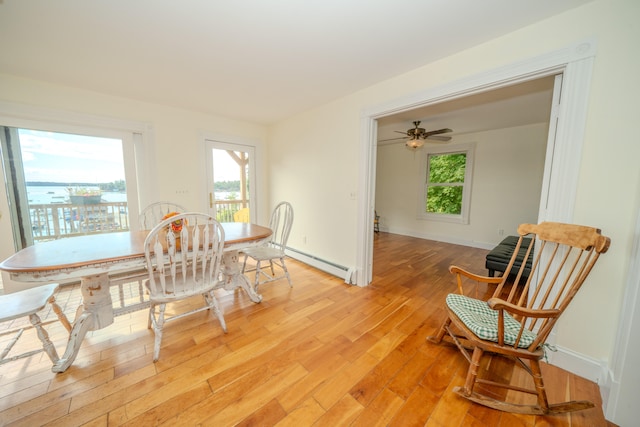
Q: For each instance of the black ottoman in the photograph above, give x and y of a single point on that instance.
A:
(498, 258)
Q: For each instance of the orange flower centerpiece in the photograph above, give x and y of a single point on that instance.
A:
(176, 226)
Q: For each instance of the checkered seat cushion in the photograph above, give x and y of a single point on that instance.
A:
(482, 320)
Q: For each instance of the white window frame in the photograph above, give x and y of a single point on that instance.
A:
(210, 145)
(136, 143)
(428, 150)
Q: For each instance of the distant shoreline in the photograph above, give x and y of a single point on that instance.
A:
(64, 184)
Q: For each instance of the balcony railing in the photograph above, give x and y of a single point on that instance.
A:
(52, 221)
(226, 208)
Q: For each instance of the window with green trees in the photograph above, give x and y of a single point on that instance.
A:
(447, 181)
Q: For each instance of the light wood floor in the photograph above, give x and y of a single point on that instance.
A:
(321, 353)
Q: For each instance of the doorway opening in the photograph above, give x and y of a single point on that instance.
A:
(230, 185)
(503, 134)
(560, 177)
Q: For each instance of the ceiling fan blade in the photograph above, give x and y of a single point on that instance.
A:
(437, 132)
(439, 138)
(392, 139)
(420, 133)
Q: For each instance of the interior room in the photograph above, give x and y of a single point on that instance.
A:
(314, 92)
(513, 122)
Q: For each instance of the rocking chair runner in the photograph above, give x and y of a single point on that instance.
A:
(517, 327)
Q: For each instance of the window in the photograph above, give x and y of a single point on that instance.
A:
(447, 188)
(230, 186)
(64, 184)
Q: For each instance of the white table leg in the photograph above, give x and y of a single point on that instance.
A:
(233, 277)
(96, 312)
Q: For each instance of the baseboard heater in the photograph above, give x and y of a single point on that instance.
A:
(346, 273)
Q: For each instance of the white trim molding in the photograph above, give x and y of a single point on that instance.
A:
(624, 373)
(575, 62)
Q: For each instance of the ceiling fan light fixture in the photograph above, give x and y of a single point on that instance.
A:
(415, 137)
(414, 143)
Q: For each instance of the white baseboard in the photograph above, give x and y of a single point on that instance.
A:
(578, 364)
(586, 367)
(441, 238)
(348, 274)
(610, 399)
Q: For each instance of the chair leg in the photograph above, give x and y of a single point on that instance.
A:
(158, 324)
(257, 279)
(437, 339)
(61, 316)
(212, 302)
(244, 264)
(152, 309)
(472, 373)
(10, 345)
(536, 373)
(121, 294)
(286, 272)
(47, 345)
(269, 278)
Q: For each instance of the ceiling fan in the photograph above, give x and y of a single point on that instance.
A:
(416, 136)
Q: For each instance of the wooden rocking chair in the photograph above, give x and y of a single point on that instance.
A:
(517, 325)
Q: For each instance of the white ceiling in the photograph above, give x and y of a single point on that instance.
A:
(255, 60)
(517, 105)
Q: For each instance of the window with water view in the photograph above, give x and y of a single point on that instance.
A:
(61, 185)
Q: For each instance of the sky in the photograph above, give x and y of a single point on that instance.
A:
(224, 168)
(67, 158)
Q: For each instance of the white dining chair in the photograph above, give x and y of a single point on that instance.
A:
(272, 251)
(242, 215)
(183, 256)
(155, 212)
(28, 303)
(131, 294)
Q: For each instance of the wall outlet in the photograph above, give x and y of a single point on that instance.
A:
(501, 232)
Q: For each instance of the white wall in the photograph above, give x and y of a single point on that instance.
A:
(313, 157)
(507, 179)
(176, 135)
(312, 165)
(321, 149)
(326, 156)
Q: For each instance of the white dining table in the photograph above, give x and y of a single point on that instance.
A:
(92, 258)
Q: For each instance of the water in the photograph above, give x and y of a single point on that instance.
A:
(227, 195)
(75, 219)
(45, 195)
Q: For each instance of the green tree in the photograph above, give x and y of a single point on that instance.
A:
(226, 186)
(115, 186)
(444, 189)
